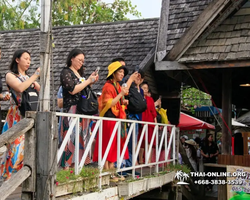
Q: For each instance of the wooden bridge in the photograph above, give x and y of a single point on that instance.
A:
(41, 157)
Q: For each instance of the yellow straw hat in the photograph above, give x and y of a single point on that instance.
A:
(115, 66)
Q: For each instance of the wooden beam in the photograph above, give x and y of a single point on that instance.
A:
(227, 112)
(12, 184)
(16, 131)
(169, 65)
(29, 185)
(162, 31)
(215, 65)
(234, 6)
(197, 28)
(174, 65)
(148, 60)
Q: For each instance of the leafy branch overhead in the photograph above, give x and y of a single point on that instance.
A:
(192, 98)
(22, 14)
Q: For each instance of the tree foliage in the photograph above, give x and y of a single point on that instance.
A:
(19, 14)
(192, 98)
(22, 14)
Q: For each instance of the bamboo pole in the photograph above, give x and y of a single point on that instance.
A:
(12, 184)
(15, 131)
(45, 54)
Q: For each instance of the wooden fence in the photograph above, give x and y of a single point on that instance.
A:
(39, 165)
(24, 126)
(234, 160)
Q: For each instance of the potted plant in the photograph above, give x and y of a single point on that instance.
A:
(88, 179)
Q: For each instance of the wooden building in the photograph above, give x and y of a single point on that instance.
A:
(211, 52)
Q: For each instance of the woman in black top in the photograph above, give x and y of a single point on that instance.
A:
(73, 83)
(209, 151)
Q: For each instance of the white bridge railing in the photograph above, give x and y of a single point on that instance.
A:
(163, 134)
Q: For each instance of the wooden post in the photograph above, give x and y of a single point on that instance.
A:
(222, 189)
(162, 32)
(46, 164)
(226, 112)
(29, 185)
(45, 54)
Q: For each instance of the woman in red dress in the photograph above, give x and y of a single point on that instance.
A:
(148, 115)
(112, 104)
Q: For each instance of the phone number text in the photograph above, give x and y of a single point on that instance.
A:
(219, 182)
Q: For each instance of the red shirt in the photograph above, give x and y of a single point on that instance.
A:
(150, 114)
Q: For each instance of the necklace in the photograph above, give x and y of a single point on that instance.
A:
(75, 72)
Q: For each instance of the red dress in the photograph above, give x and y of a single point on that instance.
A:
(118, 111)
(148, 116)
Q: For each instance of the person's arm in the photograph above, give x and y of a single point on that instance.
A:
(132, 79)
(155, 119)
(18, 86)
(60, 97)
(60, 103)
(204, 155)
(71, 86)
(124, 90)
(37, 86)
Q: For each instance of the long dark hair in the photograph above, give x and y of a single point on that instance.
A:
(72, 54)
(13, 65)
(206, 142)
(193, 151)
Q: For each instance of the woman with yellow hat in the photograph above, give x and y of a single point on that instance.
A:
(113, 104)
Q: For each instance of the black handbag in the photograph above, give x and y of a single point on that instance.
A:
(87, 104)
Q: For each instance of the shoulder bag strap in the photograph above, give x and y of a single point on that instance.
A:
(11, 90)
(116, 91)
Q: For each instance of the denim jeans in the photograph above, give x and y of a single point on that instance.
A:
(129, 161)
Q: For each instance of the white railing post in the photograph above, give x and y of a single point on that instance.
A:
(100, 154)
(156, 149)
(146, 145)
(166, 144)
(77, 146)
(174, 156)
(133, 150)
(118, 163)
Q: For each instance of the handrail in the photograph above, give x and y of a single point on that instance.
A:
(16, 131)
(12, 184)
(167, 138)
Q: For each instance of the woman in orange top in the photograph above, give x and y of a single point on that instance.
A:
(112, 104)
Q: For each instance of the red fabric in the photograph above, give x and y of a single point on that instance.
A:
(109, 92)
(108, 127)
(149, 115)
(188, 122)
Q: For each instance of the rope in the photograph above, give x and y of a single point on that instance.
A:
(211, 98)
(204, 87)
